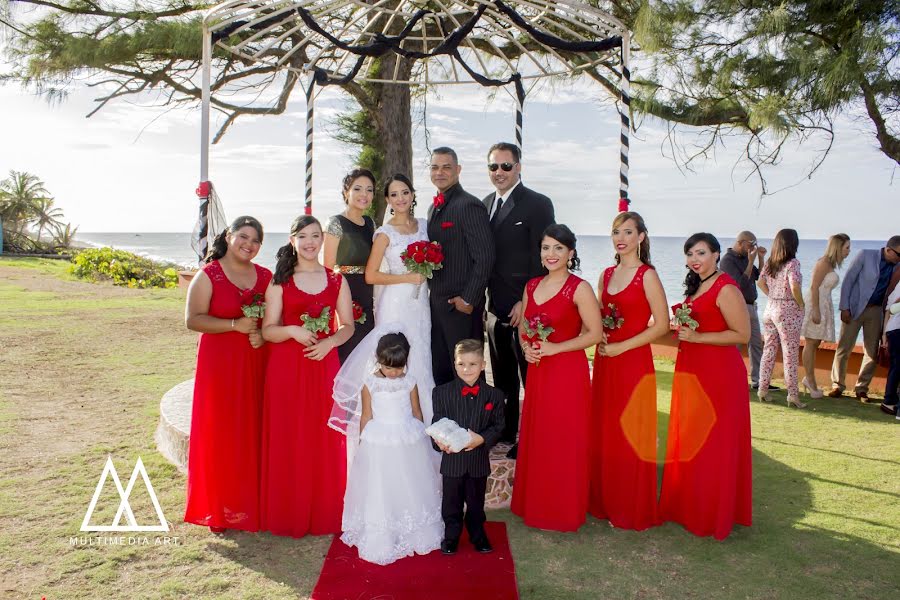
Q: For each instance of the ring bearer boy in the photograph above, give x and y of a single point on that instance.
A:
(474, 405)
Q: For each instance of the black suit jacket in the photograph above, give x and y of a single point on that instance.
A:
(470, 412)
(517, 238)
(461, 226)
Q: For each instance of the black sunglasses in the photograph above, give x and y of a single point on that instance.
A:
(505, 166)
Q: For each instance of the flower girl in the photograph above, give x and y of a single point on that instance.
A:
(392, 506)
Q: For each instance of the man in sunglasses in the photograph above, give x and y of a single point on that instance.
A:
(867, 284)
(518, 218)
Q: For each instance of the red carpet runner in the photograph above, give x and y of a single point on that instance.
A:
(466, 575)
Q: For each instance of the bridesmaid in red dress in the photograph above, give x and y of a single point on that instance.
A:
(551, 480)
(623, 411)
(223, 458)
(707, 477)
(304, 462)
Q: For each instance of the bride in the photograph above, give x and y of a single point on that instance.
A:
(401, 305)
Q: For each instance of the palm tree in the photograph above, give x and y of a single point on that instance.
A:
(64, 236)
(47, 215)
(19, 197)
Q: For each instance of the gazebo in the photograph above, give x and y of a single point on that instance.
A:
(495, 43)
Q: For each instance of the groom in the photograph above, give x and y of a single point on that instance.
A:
(459, 222)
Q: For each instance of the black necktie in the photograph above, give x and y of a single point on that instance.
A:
(497, 212)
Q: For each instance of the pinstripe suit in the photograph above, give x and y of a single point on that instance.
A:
(461, 226)
(465, 473)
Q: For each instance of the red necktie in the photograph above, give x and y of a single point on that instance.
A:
(470, 390)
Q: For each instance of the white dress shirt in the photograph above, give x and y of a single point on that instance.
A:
(504, 197)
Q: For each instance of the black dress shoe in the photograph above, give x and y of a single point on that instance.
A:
(449, 546)
(483, 546)
(774, 387)
(890, 409)
(513, 452)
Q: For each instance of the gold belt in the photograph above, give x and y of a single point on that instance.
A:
(350, 269)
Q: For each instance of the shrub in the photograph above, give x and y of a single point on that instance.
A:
(122, 268)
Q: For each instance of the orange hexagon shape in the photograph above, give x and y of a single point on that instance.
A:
(694, 414)
(638, 420)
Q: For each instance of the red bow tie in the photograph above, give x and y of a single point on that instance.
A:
(470, 390)
(439, 200)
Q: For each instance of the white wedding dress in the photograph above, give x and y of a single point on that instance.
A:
(392, 506)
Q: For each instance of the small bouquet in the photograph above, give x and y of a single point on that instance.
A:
(359, 315)
(682, 318)
(612, 318)
(317, 320)
(537, 330)
(252, 305)
(423, 257)
(449, 433)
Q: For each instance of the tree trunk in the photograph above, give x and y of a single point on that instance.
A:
(393, 123)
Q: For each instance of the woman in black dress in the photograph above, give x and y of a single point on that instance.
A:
(348, 241)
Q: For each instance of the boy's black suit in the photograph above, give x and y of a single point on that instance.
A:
(465, 473)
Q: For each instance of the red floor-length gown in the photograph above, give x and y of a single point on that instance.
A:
(707, 476)
(623, 417)
(550, 489)
(304, 462)
(223, 457)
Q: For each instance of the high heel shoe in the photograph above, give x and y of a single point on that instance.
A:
(813, 391)
(795, 402)
(762, 395)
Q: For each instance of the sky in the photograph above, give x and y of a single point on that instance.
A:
(133, 167)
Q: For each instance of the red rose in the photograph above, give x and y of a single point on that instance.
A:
(315, 311)
(489, 406)
(446, 225)
(357, 311)
(419, 257)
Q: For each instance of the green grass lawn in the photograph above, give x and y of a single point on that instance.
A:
(82, 369)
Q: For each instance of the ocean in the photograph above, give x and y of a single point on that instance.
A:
(595, 251)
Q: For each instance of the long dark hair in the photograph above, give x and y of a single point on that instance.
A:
(692, 280)
(392, 350)
(564, 236)
(784, 250)
(644, 248)
(352, 176)
(286, 257)
(219, 247)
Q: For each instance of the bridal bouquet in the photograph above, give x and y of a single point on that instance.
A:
(612, 318)
(317, 320)
(252, 305)
(448, 433)
(423, 257)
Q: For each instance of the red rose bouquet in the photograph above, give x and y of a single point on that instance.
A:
(317, 319)
(423, 257)
(359, 315)
(612, 318)
(537, 330)
(252, 304)
(682, 317)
